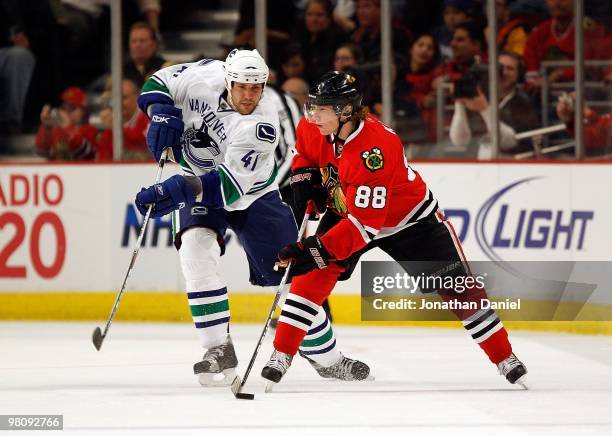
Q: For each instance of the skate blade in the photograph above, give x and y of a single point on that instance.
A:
(269, 386)
(224, 378)
(522, 381)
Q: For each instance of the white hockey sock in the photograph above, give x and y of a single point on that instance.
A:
(320, 342)
(210, 313)
(206, 290)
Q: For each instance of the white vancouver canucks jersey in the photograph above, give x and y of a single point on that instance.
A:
(240, 147)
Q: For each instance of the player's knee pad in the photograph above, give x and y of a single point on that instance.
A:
(200, 255)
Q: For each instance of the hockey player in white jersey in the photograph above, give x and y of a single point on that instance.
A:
(217, 123)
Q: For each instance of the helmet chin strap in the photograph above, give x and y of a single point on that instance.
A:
(337, 141)
(229, 96)
(342, 123)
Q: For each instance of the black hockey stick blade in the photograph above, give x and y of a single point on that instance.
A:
(97, 338)
(236, 387)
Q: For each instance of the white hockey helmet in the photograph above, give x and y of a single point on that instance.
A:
(245, 66)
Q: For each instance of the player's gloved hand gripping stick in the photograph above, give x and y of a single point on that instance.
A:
(239, 383)
(165, 131)
(98, 336)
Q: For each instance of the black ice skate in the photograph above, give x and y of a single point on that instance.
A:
(218, 366)
(345, 369)
(276, 368)
(514, 370)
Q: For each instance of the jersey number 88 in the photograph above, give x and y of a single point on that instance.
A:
(366, 196)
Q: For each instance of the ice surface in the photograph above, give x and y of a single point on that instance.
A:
(428, 381)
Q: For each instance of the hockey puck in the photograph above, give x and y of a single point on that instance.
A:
(244, 396)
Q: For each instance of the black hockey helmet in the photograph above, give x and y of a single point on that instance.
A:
(337, 89)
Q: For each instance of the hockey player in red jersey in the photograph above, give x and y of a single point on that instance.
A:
(353, 165)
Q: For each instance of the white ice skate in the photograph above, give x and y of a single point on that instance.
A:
(345, 369)
(276, 368)
(514, 370)
(218, 366)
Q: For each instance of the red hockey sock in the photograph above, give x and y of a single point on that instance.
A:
(288, 338)
(302, 305)
(497, 346)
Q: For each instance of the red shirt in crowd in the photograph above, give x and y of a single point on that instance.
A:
(71, 142)
(544, 44)
(134, 139)
(421, 87)
(597, 131)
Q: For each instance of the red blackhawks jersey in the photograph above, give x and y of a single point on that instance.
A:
(382, 193)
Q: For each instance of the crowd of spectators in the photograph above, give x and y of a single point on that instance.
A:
(439, 47)
(52, 55)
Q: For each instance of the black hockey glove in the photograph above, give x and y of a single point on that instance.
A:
(306, 256)
(307, 185)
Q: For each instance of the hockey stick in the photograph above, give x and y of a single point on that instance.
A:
(238, 383)
(98, 336)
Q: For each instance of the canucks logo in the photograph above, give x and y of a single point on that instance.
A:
(199, 147)
(265, 132)
(200, 138)
(373, 159)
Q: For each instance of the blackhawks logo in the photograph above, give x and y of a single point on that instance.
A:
(373, 159)
(335, 197)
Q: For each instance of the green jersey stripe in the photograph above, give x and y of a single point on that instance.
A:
(228, 188)
(154, 86)
(158, 80)
(259, 187)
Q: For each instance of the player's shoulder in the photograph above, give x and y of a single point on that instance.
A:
(374, 130)
(374, 145)
(208, 65)
(206, 70)
(307, 129)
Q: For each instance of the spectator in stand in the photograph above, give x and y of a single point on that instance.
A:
(455, 13)
(292, 63)
(30, 63)
(85, 33)
(512, 31)
(343, 15)
(554, 40)
(135, 126)
(297, 88)
(65, 132)
(144, 59)
(150, 11)
(415, 95)
(367, 34)
(516, 112)
(16, 68)
(597, 128)
(348, 58)
(319, 37)
(468, 47)
(367, 37)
